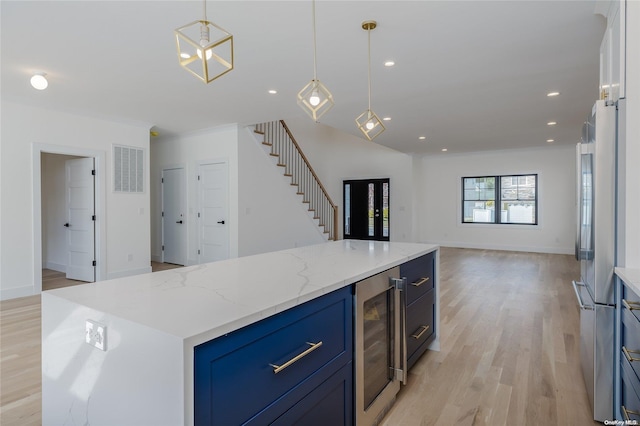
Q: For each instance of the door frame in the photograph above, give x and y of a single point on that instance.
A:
(344, 209)
(187, 218)
(100, 209)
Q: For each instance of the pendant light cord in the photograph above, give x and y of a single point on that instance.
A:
(369, 69)
(204, 9)
(313, 13)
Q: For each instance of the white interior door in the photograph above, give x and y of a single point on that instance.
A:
(213, 223)
(80, 207)
(174, 225)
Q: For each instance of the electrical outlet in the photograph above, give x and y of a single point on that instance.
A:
(96, 334)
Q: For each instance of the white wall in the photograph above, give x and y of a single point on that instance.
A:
(54, 215)
(440, 200)
(338, 156)
(188, 151)
(271, 215)
(123, 223)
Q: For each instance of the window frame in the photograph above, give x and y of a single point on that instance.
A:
(498, 199)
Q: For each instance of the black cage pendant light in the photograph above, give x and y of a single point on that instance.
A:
(205, 49)
(314, 98)
(368, 122)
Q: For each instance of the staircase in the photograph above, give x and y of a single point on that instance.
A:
(277, 136)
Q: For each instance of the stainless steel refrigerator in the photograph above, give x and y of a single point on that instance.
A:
(595, 242)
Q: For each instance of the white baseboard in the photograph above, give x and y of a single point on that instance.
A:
(486, 246)
(128, 272)
(16, 292)
(156, 258)
(59, 267)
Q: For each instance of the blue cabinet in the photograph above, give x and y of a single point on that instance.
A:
(420, 305)
(629, 355)
(287, 369)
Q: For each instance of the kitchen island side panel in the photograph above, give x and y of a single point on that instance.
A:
(137, 381)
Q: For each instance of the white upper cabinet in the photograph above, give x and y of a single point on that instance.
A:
(612, 53)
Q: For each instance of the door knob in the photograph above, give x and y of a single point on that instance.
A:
(67, 225)
(180, 222)
(221, 222)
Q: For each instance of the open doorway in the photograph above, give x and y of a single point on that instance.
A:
(67, 220)
(53, 207)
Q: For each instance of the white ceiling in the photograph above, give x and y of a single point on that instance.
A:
(469, 75)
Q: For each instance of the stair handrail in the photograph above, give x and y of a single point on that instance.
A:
(313, 191)
(304, 158)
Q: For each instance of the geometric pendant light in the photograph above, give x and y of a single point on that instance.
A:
(314, 98)
(368, 122)
(204, 48)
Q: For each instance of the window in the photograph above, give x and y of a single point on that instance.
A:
(516, 197)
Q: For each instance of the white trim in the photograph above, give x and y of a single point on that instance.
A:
(502, 247)
(16, 292)
(128, 272)
(58, 267)
(100, 208)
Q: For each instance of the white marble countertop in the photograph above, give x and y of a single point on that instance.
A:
(202, 302)
(631, 278)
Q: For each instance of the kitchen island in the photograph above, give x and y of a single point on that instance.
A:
(122, 351)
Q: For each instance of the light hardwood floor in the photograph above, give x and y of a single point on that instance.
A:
(509, 345)
(509, 355)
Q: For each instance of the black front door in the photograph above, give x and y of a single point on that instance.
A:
(366, 209)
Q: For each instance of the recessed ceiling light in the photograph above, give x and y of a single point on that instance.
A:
(552, 94)
(386, 119)
(39, 81)
(273, 92)
(551, 123)
(550, 140)
(422, 138)
(444, 149)
(389, 63)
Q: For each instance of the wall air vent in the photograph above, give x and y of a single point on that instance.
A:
(128, 169)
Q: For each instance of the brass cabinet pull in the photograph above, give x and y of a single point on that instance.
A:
(419, 283)
(419, 335)
(626, 413)
(279, 368)
(632, 306)
(627, 354)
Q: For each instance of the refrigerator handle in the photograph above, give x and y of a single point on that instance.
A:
(403, 331)
(578, 202)
(580, 302)
(400, 368)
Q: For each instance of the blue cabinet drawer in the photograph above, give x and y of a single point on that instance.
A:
(261, 366)
(630, 332)
(630, 390)
(325, 404)
(420, 327)
(420, 277)
(631, 301)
